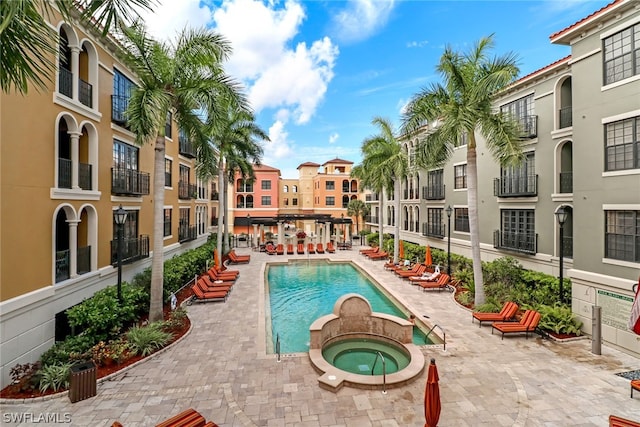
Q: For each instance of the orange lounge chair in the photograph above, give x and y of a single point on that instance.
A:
(280, 249)
(310, 248)
(320, 248)
(509, 310)
(216, 275)
(289, 249)
(635, 385)
(238, 259)
(378, 255)
(201, 296)
(330, 248)
(416, 270)
(207, 285)
(528, 323)
(300, 248)
(370, 251)
(615, 421)
(441, 283)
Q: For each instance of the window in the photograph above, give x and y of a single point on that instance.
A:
(330, 185)
(185, 189)
(186, 232)
(294, 188)
(167, 125)
(523, 111)
(266, 185)
(461, 220)
(125, 156)
(286, 201)
(285, 189)
(434, 226)
(294, 202)
(462, 140)
(622, 235)
(517, 231)
(623, 144)
(168, 164)
(519, 180)
(130, 227)
(266, 200)
(122, 88)
(330, 201)
(622, 55)
(435, 185)
(460, 173)
(167, 222)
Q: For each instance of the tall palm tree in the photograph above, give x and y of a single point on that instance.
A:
(375, 182)
(462, 106)
(383, 156)
(359, 209)
(29, 44)
(185, 78)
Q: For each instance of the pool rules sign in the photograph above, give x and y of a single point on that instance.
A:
(615, 309)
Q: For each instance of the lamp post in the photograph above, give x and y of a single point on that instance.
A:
(449, 211)
(344, 238)
(249, 237)
(561, 216)
(120, 217)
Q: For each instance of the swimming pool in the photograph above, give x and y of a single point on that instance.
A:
(299, 292)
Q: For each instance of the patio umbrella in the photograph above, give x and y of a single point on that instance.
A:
(432, 397)
(427, 256)
(216, 259)
(401, 250)
(634, 320)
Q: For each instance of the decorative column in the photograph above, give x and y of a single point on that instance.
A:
(327, 232)
(255, 235)
(75, 158)
(73, 247)
(75, 71)
(280, 232)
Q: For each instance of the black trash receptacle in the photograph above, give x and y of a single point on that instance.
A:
(83, 381)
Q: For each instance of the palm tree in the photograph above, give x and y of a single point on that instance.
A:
(29, 44)
(462, 106)
(184, 78)
(375, 182)
(383, 156)
(359, 209)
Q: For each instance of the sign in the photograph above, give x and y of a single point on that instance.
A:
(615, 309)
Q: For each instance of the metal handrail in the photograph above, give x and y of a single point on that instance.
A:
(444, 335)
(278, 347)
(384, 371)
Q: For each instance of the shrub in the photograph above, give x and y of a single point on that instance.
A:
(55, 377)
(146, 340)
(26, 376)
(177, 319)
(72, 348)
(559, 319)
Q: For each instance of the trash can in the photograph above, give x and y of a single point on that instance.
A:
(83, 381)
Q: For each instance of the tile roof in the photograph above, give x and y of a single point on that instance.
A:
(337, 160)
(309, 164)
(585, 20)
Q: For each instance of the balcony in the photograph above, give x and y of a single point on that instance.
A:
(405, 194)
(516, 186)
(529, 127)
(185, 147)
(433, 192)
(567, 246)
(526, 243)
(433, 229)
(566, 182)
(372, 197)
(65, 82)
(62, 265)
(566, 117)
(85, 93)
(187, 233)
(133, 249)
(371, 219)
(215, 195)
(84, 176)
(119, 105)
(84, 260)
(129, 182)
(187, 191)
(64, 173)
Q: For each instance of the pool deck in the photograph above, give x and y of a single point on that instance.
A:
(221, 369)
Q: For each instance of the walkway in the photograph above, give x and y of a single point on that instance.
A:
(221, 370)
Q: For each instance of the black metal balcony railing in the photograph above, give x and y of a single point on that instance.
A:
(65, 82)
(119, 105)
(434, 229)
(167, 228)
(215, 195)
(187, 191)
(167, 179)
(517, 242)
(133, 249)
(415, 226)
(187, 233)
(372, 197)
(345, 188)
(567, 246)
(566, 117)
(85, 93)
(433, 192)
(84, 176)
(64, 173)
(566, 182)
(405, 225)
(129, 182)
(62, 265)
(529, 126)
(371, 219)
(84, 260)
(185, 147)
(516, 186)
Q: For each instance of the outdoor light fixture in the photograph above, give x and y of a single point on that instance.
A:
(449, 212)
(120, 217)
(561, 216)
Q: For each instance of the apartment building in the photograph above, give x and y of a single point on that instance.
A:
(581, 136)
(68, 162)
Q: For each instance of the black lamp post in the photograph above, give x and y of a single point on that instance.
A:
(449, 211)
(249, 237)
(561, 216)
(120, 218)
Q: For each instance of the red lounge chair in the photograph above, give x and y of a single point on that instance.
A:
(320, 248)
(441, 283)
(635, 385)
(238, 259)
(425, 277)
(378, 255)
(190, 417)
(280, 249)
(509, 310)
(417, 270)
(615, 421)
(214, 285)
(216, 275)
(271, 250)
(300, 248)
(528, 323)
(201, 296)
(290, 249)
(310, 248)
(330, 248)
(370, 251)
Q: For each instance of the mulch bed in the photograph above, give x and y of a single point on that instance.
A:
(12, 392)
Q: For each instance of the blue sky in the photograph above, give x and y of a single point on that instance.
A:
(318, 72)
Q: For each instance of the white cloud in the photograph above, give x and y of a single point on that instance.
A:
(333, 137)
(361, 18)
(172, 16)
(279, 147)
(414, 43)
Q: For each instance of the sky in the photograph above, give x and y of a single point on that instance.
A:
(318, 72)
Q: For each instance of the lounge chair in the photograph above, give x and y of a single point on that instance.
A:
(290, 249)
(280, 249)
(216, 275)
(635, 385)
(187, 418)
(416, 270)
(208, 285)
(370, 251)
(310, 248)
(441, 283)
(201, 296)
(615, 421)
(330, 248)
(238, 259)
(509, 310)
(528, 323)
(378, 255)
(300, 248)
(320, 248)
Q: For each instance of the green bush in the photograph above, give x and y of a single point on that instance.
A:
(146, 340)
(26, 376)
(55, 377)
(72, 348)
(559, 319)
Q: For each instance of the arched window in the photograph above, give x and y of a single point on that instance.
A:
(285, 189)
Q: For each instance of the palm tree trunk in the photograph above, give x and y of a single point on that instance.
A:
(225, 242)
(157, 262)
(221, 206)
(381, 218)
(474, 224)
(396, 228)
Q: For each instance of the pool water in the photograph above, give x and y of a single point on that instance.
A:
(302, 291)
(359, 356)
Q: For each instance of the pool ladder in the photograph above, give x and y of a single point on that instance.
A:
(278, 347)
(444, 335)
(384, 371)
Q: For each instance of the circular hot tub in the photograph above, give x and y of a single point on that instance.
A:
(366, 356)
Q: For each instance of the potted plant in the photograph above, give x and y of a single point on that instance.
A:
(301, 235)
